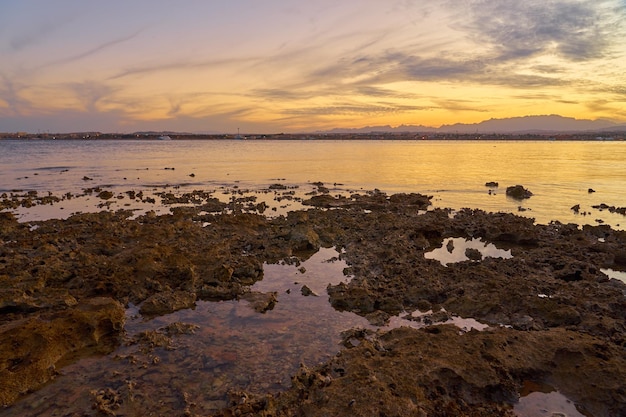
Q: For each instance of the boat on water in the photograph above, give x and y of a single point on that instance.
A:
(164, 138)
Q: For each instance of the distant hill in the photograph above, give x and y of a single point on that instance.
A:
(530, 124)
(525, 124)
(385, 128)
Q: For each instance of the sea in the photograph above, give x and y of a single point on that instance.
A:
(235, 348)
(560, 174)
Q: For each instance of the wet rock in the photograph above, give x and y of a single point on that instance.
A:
(247, 271)
(553, 281)
(30, 348)
(151, 339)
(306, 291)
(423, 305)
(167, 302)
(261, 302)
(410, 200)
(491, 184)
(326, 201)
(459, 373)
(575, 208)
(107, 401)
(303, 238)
(523, 322)
(563, 316)
(353, 297)
(518, 192)
(105, 195)
(378, 318)
(178, 328)
(611, 209)
(473, 254)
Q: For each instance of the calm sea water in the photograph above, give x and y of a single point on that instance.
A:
(455, 172)
(235, 347)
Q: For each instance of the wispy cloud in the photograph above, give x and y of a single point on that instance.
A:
(90, 93)
(89, 52)
(306, 62)
(351, 109)
(180, 65)
(10, 92)
(37, 32)
(573, 29)
(460, 105)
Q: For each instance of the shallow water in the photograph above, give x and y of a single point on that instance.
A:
(233, 347)
(454, 172)
(454, 250)
(611, 273)
(538, 399)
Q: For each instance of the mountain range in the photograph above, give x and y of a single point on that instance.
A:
(526, 124)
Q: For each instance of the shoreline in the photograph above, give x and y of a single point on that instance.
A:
(599, 136)
(553, 315)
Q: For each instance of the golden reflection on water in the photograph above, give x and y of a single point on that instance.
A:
(454, 172)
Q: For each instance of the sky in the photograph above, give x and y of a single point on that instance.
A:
(271, 66)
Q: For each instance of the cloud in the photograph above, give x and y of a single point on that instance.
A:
(284, 94)
(64, 121)
(90, 93)
(572, 29)
(91, 51)
(351, 109)
(375, 91)
(179, 65)
(36, 32)
(460, 105)
(10, 93)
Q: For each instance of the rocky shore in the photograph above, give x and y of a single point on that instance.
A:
(554, 316)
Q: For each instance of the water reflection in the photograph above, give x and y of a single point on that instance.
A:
(558, 173)
(199, 355)
(459, 249)
(620, 275)
(539, 399)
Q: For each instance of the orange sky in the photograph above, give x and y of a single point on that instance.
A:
(284, 66)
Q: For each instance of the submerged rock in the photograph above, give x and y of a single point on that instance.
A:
(261, 302)
(167, 302)
(63, 285)
(473, 254)
(306, 291)
(518, 192)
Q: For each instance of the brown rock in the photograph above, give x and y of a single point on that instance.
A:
(518, 192)
(30, 348)
(261, 302)
(167, 302)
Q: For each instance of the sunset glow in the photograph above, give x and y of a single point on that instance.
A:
(279, 65)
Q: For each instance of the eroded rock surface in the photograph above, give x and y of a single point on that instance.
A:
(63, 285)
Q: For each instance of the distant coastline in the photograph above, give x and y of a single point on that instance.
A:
(416, 136)
(536, 127)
